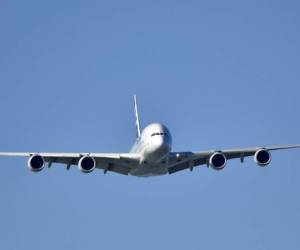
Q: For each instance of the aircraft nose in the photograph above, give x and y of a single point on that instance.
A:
(158, 142)
(158, 149)
(160, 145)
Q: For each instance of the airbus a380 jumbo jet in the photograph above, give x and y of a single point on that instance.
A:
(151, 155)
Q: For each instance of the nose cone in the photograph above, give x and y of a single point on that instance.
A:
(160, 147)
(158, 142)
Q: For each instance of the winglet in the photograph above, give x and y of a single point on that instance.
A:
(137, 121)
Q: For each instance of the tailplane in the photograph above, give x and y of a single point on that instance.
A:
(137, 120)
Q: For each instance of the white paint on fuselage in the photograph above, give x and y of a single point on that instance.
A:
(153, 146)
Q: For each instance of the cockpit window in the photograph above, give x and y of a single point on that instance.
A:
(163, 134)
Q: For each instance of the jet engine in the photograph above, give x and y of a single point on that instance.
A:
(87, 164)
(262, 157)
(36, 163)
(218, 161)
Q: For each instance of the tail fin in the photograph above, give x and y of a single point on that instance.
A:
(137, 120)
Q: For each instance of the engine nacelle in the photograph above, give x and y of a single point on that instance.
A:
(36, 163)
(87, 164)
(262, 157)
(218, 161)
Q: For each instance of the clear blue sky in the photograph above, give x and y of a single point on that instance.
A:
(219, 74)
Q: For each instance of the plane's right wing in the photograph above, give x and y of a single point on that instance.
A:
(188, 160)
(121, 163)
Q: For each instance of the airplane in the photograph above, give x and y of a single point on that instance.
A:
(151, 155)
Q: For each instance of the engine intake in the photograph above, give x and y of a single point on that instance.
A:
(262, 157)
(217, 161)
(87, 164)
(36, 163)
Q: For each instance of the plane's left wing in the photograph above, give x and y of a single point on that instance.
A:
(120, 163)
(188, 160)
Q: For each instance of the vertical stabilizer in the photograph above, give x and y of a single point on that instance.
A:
(137, 120)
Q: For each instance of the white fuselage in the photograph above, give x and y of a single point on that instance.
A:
(153, 146)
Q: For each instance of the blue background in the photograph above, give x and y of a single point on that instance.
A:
(219, 74)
